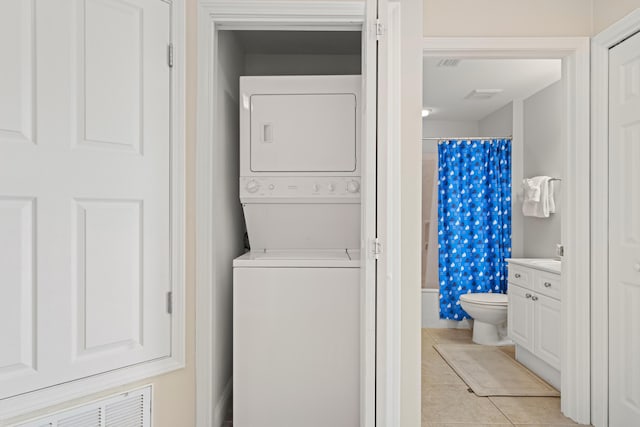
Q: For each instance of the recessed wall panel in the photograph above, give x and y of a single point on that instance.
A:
(109, 269)
(630, 82)
(111, 65)
(631, 145)
(16, 63)
(631, 368)
(17, 303)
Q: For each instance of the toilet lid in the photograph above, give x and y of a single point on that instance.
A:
(485, 298)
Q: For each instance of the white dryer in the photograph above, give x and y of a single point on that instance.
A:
(296, 298)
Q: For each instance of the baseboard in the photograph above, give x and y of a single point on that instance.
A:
(539, 366)
(223, 404)
(431, 313)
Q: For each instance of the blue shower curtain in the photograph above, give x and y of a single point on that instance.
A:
(474, 220)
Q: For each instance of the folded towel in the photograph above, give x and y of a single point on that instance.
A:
(538, 197)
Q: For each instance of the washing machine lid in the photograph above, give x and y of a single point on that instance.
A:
(485, 298)
(336, 258)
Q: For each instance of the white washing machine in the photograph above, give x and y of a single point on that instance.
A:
(296, 339)
(296, 297)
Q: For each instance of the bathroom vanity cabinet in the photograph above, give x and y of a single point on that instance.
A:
(534, 315)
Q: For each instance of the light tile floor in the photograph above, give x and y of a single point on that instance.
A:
(447, 401)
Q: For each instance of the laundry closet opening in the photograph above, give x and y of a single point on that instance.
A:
(286, 149)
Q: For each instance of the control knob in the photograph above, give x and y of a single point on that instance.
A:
(253, 186)
(353, 186)
(331, 187)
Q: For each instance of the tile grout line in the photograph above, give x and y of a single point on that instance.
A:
(500, 410)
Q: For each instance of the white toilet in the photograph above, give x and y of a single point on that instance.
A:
(489, 312)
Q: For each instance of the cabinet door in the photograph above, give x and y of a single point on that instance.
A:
(84, 188)
(546, 315)
(520, 316)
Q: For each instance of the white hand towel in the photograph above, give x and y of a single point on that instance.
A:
(531, 188)
(550, 200)
(541, 187)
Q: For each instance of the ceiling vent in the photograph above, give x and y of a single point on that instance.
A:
(449, 62)
(483, 94)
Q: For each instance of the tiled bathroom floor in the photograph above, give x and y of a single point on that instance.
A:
(446, 401)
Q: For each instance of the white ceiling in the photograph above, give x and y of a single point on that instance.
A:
(445, 88)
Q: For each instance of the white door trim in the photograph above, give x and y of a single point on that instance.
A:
(214, 15)
(389, 278)
(574, 51)
(59, 394)
(600, 46)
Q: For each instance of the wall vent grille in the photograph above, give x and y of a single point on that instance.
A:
(129, 409)
(448, 62)
(483, 94)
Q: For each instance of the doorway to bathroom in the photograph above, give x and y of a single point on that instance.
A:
(547, 120)
(481, 100)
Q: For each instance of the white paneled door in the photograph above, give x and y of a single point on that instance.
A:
(624, 233)
(84, 188)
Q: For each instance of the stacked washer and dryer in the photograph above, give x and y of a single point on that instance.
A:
(296, 294)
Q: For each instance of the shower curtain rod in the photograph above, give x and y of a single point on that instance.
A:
(466, 137)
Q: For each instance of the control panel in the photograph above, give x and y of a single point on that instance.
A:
(300, 187)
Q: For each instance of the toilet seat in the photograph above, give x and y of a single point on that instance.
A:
(485, 299)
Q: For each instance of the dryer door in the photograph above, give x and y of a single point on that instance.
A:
(303, 132)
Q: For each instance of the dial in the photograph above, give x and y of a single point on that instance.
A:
(253, 186)
(353, 186)
(316, 188)
(332, 187)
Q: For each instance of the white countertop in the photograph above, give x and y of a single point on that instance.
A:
(546, 264)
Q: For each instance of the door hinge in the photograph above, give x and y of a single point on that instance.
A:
(379, 29)
(170, 55)
(376, 248)
(170, 302)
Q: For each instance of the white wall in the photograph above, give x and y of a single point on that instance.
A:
(228, 226)
(543, 155)
(498, 18)
(448, 128)
(607, 12)
(278, 64)
(498, 123)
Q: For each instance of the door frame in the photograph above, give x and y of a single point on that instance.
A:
(215, 15)
(600, 46)
(574, 52)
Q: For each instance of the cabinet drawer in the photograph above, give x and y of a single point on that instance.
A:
(520, 276)
(548, 284)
